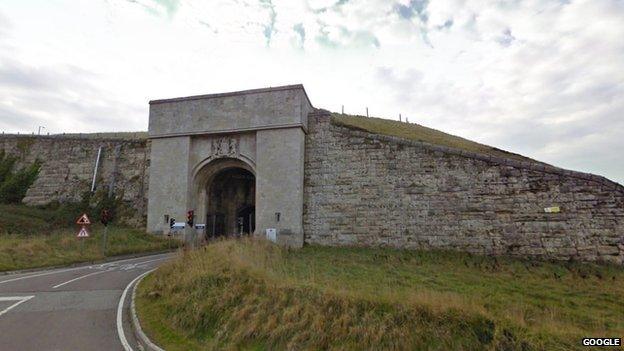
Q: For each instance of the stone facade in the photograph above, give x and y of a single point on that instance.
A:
(332, 185)
(370, 190)
(195, 138)
(68, 163)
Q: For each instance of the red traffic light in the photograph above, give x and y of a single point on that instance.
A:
(190, 215)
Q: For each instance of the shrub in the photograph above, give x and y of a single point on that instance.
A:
(14, 185)
(6, 165)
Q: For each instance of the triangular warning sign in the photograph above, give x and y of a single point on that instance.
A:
(83, 233)
(83, 219)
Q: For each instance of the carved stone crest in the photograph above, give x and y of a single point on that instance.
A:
(224, 146)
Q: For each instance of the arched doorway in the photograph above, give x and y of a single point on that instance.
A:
(224, 196)
(230, 207)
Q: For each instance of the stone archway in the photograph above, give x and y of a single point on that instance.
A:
(261, 130)
(224, 194)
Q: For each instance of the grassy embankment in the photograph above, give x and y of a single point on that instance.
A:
(417, 132)
(32, 237)
(251, 295)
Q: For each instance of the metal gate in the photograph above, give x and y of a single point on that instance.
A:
(215, 225)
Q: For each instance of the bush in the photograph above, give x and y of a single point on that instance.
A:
(13, 186)
(6, 165)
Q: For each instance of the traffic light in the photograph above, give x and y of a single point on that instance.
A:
(105, 217)
(190, 215)
(171, 222)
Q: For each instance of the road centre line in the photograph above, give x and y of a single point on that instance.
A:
(82, 276)
(19, 299)
(120, 331)
(113, 264)
(154, 260)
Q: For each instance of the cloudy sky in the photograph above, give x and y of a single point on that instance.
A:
(539, 77)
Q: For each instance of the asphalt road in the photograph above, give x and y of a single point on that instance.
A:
(71, 308)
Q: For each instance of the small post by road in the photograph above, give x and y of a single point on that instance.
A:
(105, 218)
(170, 234)
(104, 240)
(190, 219)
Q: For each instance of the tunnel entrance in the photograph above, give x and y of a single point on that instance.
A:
(231, 203)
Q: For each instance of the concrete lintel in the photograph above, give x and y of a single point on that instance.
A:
(234, 93)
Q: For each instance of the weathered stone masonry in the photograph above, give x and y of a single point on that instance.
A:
(370, 190)
(68, 163)
(373, 190)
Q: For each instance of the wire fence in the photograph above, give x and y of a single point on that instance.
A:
(105, 135)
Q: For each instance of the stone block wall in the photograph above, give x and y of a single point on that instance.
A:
(370, 190)
(68, 163)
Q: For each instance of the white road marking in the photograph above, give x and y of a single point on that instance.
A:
(35, 275)
(42, 274)
(19, 299)
(114, 264)
(120, 331)
(135, 265)
(82, 276)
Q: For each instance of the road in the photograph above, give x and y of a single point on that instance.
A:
(71, 308)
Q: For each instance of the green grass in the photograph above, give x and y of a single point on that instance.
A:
(25, 220)
(249, 294)
(31, 238)
(413, 131)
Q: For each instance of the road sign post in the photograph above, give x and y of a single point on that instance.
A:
(104, 240)
(105, 218)
(83, 233)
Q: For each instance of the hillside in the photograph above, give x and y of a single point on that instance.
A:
(252, 295)
(417, 132)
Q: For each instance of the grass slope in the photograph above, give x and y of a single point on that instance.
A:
(30, 238)
(413, 131)
(248, 294)
(18, 219)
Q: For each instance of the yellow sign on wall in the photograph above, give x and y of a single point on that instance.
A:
(553, 209)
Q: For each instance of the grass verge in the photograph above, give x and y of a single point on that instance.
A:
(248, 294)
(417, 132)
(29, 238)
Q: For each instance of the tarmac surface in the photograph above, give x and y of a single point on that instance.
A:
(74, 308)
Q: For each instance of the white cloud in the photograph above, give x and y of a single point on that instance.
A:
(540, 77)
